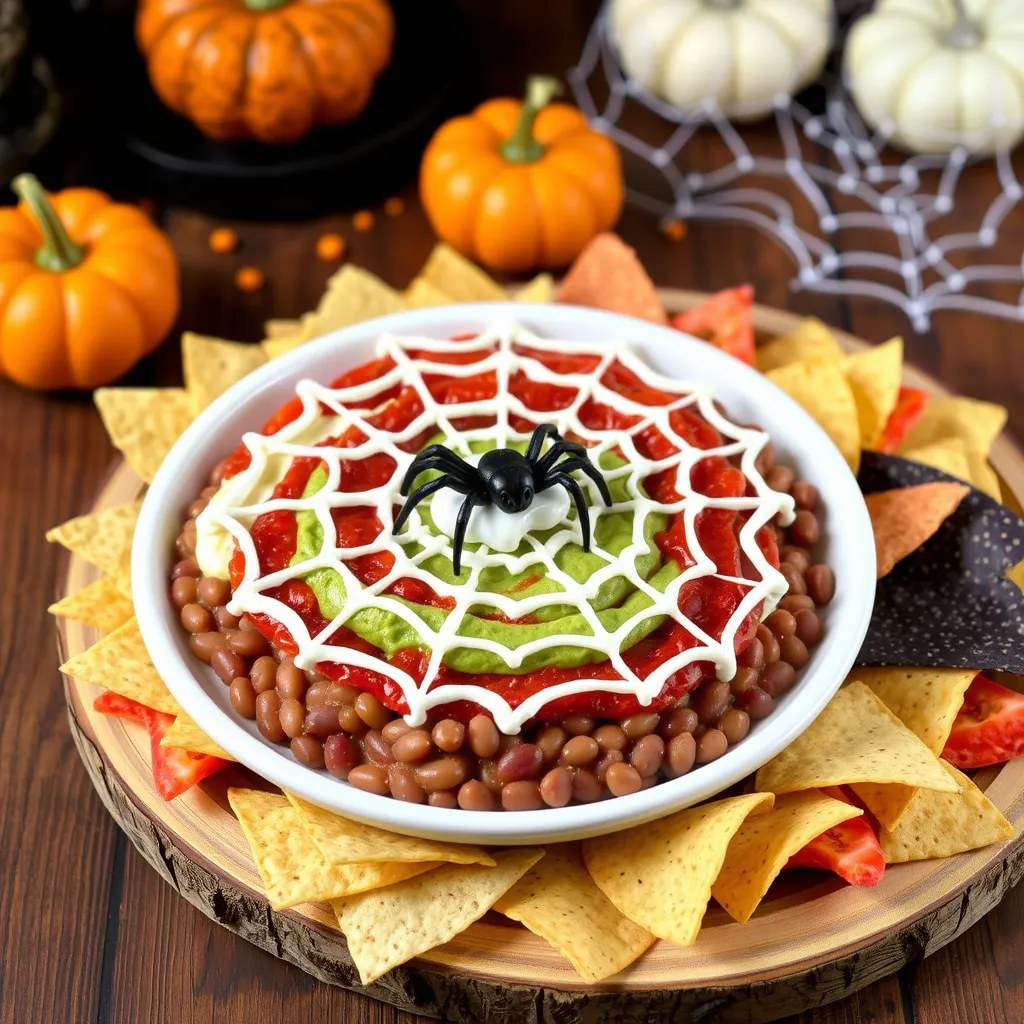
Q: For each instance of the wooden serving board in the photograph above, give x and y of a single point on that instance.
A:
(812, 941)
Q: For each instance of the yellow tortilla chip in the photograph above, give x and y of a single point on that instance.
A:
(120, 662)
(275, 347)
(211, 365)
(822, 389)
(765, 842)
(888, 803)
(660, 874)
(874, 378)
(348, 842)
(460, 278)
(352, 296)
(925, 700)
(292, 868)
(855, 739)
(811, 340)
(101, 538)
(949, 455)
(100, 605)
(123, 582)
(983, 476)
(558, 900)
(978, 423)
(945, 824)
(281, 328)
(144, 423)
(540, 289)
(421, 294)
(389, 926)
(184, 734)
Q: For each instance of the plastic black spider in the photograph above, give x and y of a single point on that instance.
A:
(506, 478)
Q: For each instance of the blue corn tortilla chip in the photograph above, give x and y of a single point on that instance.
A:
(948, 604)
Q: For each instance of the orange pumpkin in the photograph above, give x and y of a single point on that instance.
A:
(521, 185)
(87, 287)
(265, 69)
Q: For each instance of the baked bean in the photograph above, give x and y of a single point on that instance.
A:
(781, 623)
(605, 761)
(289, 679)
(370, 778)
(341, 754)
(610, 737)
(808, 628)
(293, 717)
(246, 623)
(794, 651)
(735, 724)
(781, 478)
(308, 750)
(680, 754)
(214, 486)
(521, 796)
(752, 655)
(711, 745)
(445, 773)
(183, 592)
(475, 796)
(322, 720)
(744, 679)
(769, 644)
(268, 716)
(522, 762)
(483, 736)
(348, 718)
(443, 798)
(676, 721)
(556, 787)
(578, 725)
(246, 644)
(711, 700)
(778, 678)
(377, 749)
(187, 567)
(213, 591)
(821, 583)
(205, 645)
(797, 557)
(648, 782)
(414, 745)
(196, 619)
(585, 786)
(756, 702)
(263, 673)
(395, 728)
(805, 495)
(578, 751)
(796, 603)
(402, 780)
(371, 711)
(638, 725)
(647, 754)
(804, 530)
(623, 779)
(506, 743)
(550, 739)
(794, 578)
(225, 620)
(185, 545)
(196, 509)
(765, 461)
(448, 735)
(322, 693)
(243, 697)
(488, 772)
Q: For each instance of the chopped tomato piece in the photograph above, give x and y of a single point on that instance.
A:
(724, 320)
(110, 703)
(910, 406)
(989, 728)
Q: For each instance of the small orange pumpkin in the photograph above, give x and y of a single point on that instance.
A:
(521, 185)
(87, 287)
(265, 69)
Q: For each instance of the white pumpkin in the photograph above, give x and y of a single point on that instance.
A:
(937, 74)
(739, 54)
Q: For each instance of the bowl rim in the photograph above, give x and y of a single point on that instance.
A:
(848, 523)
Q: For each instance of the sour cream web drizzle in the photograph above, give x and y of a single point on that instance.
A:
(245, 497)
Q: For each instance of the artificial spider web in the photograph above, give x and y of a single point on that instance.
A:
(506, 351)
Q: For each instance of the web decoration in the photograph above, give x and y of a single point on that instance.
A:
(860, 185)
(505, 351)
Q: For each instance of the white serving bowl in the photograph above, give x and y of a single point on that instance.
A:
(848, 546)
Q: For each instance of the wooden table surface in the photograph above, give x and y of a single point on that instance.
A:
(88, 933)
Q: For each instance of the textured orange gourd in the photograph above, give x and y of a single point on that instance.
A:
(87, 288)
(521, 185)
(264, 69)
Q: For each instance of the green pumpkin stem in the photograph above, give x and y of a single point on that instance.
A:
(58, 252)
(521, 147)
(263, 5)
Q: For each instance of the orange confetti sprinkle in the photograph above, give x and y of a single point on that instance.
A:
(394, 206)
(363, 221)
(674, 230)
(223, 240)
(249, 279)
(330, 247)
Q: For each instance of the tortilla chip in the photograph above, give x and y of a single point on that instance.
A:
(421, 294)
(905, 518)
(978, 423)
(540, 289)
(144, 423)
(822, 389)
(945, 824)
(184, 734)
(608, 275)
(765, 842)
(888, 803)
(925, 700)
(558, 900)
(211, 365)
(811, 340)
(874, 378)
(123, 582)
(100, 605)
(343, 841)
(102, 538)
(120, 662)
(660, 874)
(855, 739)
(281, 328)
(454, 275)
(983, 476)
(352, 296)
(390, 926)
(276, 347)
(949, 455)
(292, 868)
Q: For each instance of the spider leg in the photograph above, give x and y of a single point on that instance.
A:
(461, 525)
(557, 450)
(537, 440)
(580, 501)
(434, 456)
(419, 494)
(570, 465)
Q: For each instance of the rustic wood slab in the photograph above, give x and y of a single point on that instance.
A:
(813, 941)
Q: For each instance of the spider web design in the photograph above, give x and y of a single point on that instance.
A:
(234, 507)
(905, 201)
